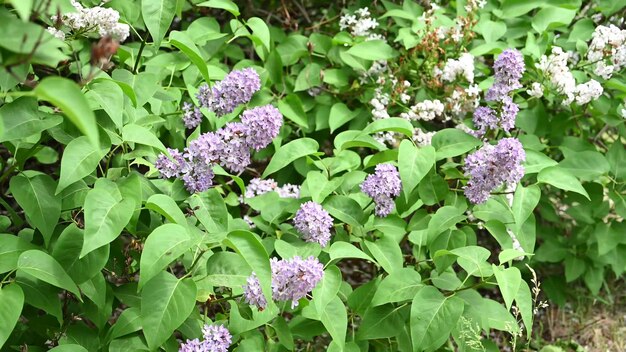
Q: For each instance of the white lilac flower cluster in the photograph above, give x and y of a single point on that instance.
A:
(104, 21)
(475, 5)
(422, 138)
(360, 24)
(426, 110)
(463, 67)
(608, 50)
(257, 187)
(461, 100)
(555, 68)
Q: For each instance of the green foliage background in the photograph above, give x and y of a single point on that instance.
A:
(98, 253)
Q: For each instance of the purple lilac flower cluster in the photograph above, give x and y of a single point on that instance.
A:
(217, 338)
(192, 116)
(509, 68)
(382, 187)
(491, 166)
(314, 223)
(229, 147)
(292, 279)
(235, 89)
(486, 118)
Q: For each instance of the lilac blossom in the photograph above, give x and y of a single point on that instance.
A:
(257, 187)
(508, 114)
(314, 223)
(492, 166)
(509, 68)
(484, 118)
(235, 154)
(235, 89)
(382, 187)
(217, 338)
(171, 167)
(263, 124)
(192, 116)
(292, 279)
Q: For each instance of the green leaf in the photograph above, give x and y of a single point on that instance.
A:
(166, 243)
(397, 287)
(80, 159)
(536, 161)
(127, 323)
(69, 348)
(166, 302)
(326, 290)
(210, 210)
(586, 165)
(23, 8)
(509, 281)
(433, 316)
(372, 50)
(413, 164)
(227, 269)
(250, 248)
(340, 114)
(110, 97)
(40, 295)
(67, 249)
(105, 218)
(292, 108)
(392, 124)
(345, 209)
(453, 142)
(290, 152)
(21, 119)
(11, 247)
(492, 31)
(222, 4)
(182, 41)
(552, 17)
(167, 207)
(139, 134)
(381, 322)
(45, 268)
(335, 320)
(473, 259)
(524, 202)
(36, 196)
(561, 178)
(158, 15)
(67, 96)
(260, 30)
(444, 218)
(524, 302)
(11, 304)
(341, 250)
(387, 253)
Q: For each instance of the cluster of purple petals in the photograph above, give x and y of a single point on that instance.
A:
(314, 223)
(292, 280)
(192, 116)
(217, 338)
(235, 89)
(485, 118)
(235, 153)
(382, 186)
(491, 166)
(263, 125)
(509, 68)
(229, 147)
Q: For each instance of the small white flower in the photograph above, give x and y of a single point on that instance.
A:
(536, 90)
(56, 32)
